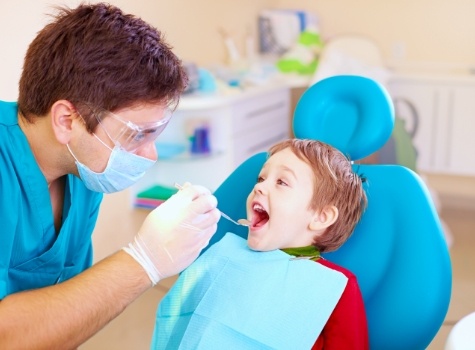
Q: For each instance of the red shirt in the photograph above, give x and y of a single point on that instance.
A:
(347, 327)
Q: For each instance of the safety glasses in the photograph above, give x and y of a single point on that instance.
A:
(130, 136)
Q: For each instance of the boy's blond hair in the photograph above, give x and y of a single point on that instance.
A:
(335, 184)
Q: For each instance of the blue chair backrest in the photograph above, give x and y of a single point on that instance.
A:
(397, 251)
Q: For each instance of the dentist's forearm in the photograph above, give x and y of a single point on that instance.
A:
(64, 316)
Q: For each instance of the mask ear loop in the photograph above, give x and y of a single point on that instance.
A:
(69, 149)
(105, 130)
(97, 137)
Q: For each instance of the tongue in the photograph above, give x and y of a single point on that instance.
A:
(260, 219)
(261, 223)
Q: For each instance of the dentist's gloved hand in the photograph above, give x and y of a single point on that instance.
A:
(173, 235)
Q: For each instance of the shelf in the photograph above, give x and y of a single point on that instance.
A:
(201, 101)
(187, 156)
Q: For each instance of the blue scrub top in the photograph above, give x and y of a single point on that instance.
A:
(32, 254)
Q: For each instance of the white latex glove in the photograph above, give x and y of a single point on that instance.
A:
(173, 235)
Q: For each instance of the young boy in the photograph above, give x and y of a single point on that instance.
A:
(307, 200)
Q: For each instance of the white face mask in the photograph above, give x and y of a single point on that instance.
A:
(123, 170)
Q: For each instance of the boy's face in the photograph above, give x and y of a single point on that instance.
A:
(278, 206)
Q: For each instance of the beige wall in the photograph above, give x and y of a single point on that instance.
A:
(190, 26)
(434, 31)
(421, 31)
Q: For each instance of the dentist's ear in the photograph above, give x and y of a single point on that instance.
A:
(62, 113)
(324, 218)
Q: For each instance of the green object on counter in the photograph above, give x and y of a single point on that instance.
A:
(294, 65)
(309, 38)
(302, 58)
(157, 192)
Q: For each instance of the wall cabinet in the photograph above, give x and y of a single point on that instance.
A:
(239, 125)
(445, 135)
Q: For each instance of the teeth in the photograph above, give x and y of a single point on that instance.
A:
(258, 207)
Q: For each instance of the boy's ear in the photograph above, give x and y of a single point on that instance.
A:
(62, 114)
(324, 218)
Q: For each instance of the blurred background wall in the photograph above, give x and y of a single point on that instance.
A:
(420, 33)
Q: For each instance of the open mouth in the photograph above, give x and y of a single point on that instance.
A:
(260, 217)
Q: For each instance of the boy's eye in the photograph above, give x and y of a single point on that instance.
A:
(260, 179)
(281, 182)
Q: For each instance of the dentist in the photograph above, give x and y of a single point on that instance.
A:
(96, 90)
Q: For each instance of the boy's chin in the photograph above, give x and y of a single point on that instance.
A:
(255, 246)
(255, 250)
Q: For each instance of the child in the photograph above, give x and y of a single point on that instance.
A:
(259, 297)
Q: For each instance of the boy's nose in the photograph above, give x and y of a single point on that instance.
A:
(260, 188)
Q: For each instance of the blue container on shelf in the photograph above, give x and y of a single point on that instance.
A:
(200, 141)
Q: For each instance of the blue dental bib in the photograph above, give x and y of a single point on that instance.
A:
(233, 297)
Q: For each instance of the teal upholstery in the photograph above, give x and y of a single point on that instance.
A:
(398, 251)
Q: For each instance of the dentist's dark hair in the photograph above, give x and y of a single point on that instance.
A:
(97, 56)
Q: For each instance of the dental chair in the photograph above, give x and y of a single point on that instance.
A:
(397, 251)
(354, 54)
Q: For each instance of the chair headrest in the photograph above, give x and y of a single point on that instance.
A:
(352, 113)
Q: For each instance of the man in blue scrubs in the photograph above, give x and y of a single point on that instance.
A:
(96, 90)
